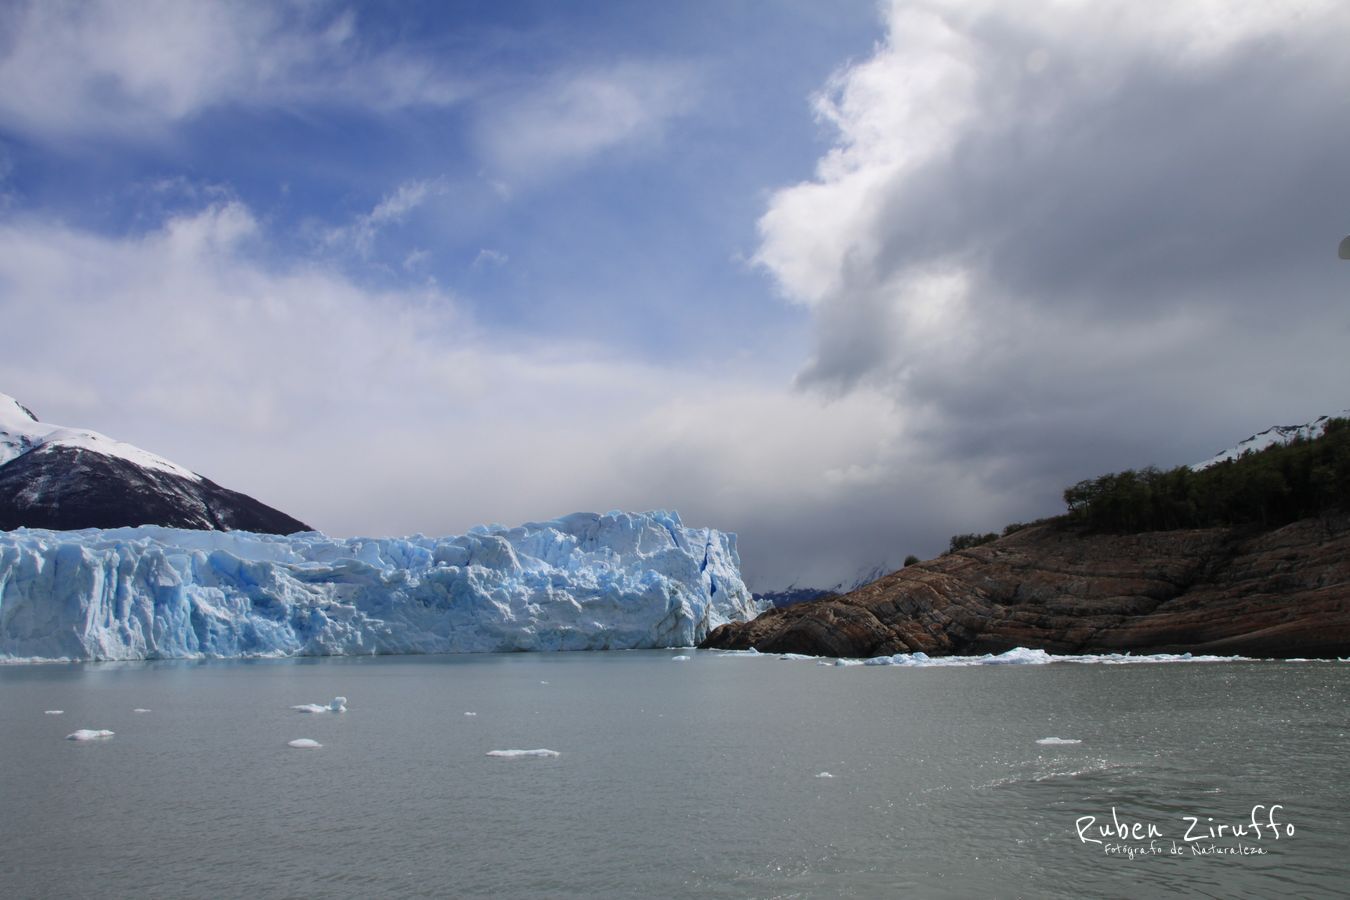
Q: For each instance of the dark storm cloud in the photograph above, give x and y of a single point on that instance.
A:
(1063, 246)
(1178, 187)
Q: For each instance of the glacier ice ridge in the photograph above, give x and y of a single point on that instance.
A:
(580, 582)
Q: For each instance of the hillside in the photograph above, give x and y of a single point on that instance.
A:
(1248, 555)
(1280, 593)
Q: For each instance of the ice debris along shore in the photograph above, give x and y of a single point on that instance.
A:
(581, 582)
(1022, 656)
(1018, 656)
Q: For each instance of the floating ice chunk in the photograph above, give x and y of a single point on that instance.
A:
(543, 682)
(140, 709)
(1020, 656)
(824, 775)
(680, 658)
(471, 714)
(520, 754)
(1058, 740)
(304, 744)
(338, 704)
(89, 734)
(53, 712)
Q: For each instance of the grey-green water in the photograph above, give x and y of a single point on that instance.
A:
(698, 778)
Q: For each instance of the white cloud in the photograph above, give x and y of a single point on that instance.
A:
(365, 411)
(490, 257)
(130, 66)
(407, 197)
(573, 116)
(6, 169)
(392, 209)
(894, 112)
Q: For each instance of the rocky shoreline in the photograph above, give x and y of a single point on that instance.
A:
(1282, 593)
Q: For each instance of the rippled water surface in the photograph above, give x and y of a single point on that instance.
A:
(693, 778)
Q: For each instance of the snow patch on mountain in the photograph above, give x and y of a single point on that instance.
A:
(581, 582)
(1279, 434)
(21, 432)
(794, 593)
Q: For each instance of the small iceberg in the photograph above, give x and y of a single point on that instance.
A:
(824, 775)
(140, 709)
(304, 744)
(471, 714)
(521, 754)
(53, 712)
(339, 704)
(680, 658)
(1055, 741)
(89, 734)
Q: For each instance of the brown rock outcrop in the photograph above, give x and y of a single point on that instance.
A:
(1282, 593)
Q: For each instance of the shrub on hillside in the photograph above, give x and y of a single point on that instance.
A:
(966, 541)
(1272, 487)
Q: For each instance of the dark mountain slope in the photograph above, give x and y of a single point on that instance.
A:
(66, 479)
(68, 488)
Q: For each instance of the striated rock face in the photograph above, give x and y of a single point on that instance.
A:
(1282, 593)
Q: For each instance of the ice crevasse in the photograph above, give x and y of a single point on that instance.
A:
(580, 582)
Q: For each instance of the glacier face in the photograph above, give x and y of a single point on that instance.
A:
(581, 582)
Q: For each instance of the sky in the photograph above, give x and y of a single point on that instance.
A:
(845, 279)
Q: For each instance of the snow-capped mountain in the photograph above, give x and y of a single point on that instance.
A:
(69, 478)
(794, 594)
(1278, 434)
(581, 582)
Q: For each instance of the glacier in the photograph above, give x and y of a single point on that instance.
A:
(580, 582)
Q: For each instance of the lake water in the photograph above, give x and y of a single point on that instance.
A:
(696, 778)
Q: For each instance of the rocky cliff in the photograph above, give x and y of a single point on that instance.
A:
(1281, 593)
